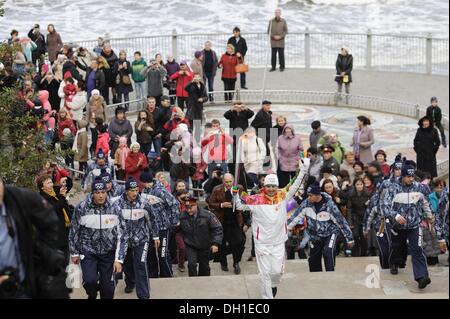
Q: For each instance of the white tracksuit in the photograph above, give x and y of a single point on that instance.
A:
(270, 231)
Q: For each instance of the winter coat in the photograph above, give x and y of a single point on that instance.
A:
(62, 210)
(197, 68)
(98, 108)
(68, 66)
(54, 45)
(349, 168)
(277, 27)
(84, 62)
(263, 120)
(143, 136)
(136, 68)
(239, 47)
(202, 231)
(172, 67)
(365, 144)
(289, 148)
(77, 105)
(155, 79)
(111, 58)
(315, 167)
(323, 220)
(132, 168)
(217, 146)
(228, 64)
(82, 154)
(102, 143)
(442, 224)
(426, 145)
(333, 164)
(123, 88)
(356, 207)
(253, 153)
(119, 128)
(39, 40)
(407, 201)
(98, 230)
(52, 89)
(218, 196)
(182, 81)
(239, 119)
(100, 80)
(67, 123)
(195, 108)
(215, 62)
(315, 137)
(344, 63)
(48, 119)
(437, 118)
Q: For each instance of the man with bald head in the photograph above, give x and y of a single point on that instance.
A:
(221, 203)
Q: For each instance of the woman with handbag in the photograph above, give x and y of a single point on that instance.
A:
(344, 67)
(228, 63)
(122, 70)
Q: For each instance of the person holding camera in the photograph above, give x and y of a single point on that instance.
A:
(202, 234)
(38, 38)
(324, 223)
(97, 241)
(122, 71)
(30, 265)
(155, 74)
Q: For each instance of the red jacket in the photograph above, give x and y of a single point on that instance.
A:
(67, 123)
(228, 64)
(103, 143)
(171, 125)
(217, 144)
(132, 168)
(182, 82)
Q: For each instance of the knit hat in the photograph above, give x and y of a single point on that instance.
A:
(398, 163)
(95, 92)
(123, 140)
(131, 183)
(271, 179)
(146, 177)
(408, 169)
(314, 189)
(100, 154)
(198, 54)
(382, 153)
(98, 185)
(105, 176)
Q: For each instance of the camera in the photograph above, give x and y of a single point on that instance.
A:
(11, 286)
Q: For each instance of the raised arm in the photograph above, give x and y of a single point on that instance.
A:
(304, 169)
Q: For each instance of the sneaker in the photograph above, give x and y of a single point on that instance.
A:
(181, 268)
(237, 269)
(423, 282)
(274, 291)
(224, 268)
(129, 290)
(394, 270)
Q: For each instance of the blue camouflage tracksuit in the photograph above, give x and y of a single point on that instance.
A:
(375, 219)
(97, 236)
(116, 190)
(140, 231)
(410, 202)
(93, 170)
(167, 215)
(324, 223)
(441, 224)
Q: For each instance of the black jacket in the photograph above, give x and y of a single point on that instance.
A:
(344, 64)
(263, 120)
(239, 119)
(202, 231)
(195, 108)
(36, 227)
(109, 73)
(356, 207)
(240, 47)
(72, 68)
(59, 205)
(437, 118)
(39, 40)
(100, 81)
(426, 145)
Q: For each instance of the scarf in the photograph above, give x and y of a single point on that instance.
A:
(66, 216)
(123, 153)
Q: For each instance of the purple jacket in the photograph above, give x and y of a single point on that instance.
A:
(172, 67)
(289, 147)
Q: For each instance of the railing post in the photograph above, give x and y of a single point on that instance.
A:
(417, 111)
(369, 50)
(429, 54)
(174, 44)
(307, 49)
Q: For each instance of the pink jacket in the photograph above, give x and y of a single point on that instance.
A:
(48, 119)
(103, 143)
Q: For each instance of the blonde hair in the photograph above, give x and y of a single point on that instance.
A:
(159, 174)
(123, 52)
(179, 112)
(229, 45)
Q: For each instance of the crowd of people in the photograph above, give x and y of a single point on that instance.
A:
(143, 182)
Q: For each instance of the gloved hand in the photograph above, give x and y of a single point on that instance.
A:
(304, 165)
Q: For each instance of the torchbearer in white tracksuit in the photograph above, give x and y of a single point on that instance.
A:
(269, 217)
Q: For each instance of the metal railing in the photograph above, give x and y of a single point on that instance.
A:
(332, 99)
(306, 49)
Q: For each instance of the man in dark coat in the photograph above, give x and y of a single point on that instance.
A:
(196, 98)
(209, 63)
(28, 233)
(240, 46)
(263, 124)
(434, 113)
(344, 67)
(202, 234)
(111, 58)
(426, 145)
(221, 203)
(38, 38)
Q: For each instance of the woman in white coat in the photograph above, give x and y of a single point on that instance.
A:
(79, 102)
